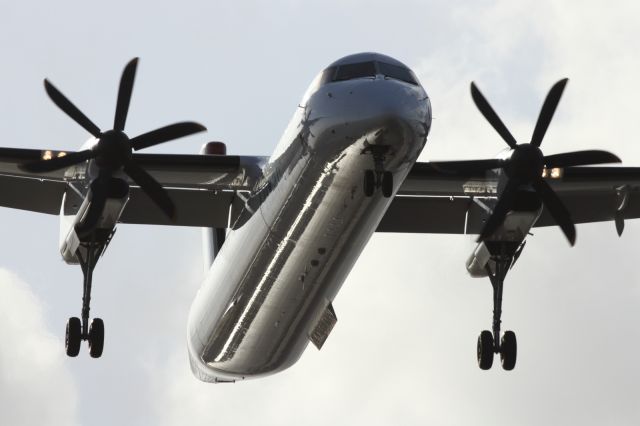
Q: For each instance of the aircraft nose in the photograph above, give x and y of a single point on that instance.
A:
(345, 112)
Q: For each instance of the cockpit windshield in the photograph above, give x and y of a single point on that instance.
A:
(397, 72)
(366, 70)
(351, 71)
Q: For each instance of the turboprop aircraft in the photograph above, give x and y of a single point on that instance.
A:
(281, 233)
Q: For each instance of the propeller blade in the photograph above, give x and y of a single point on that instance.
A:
(547, 111)
(467, 166)
(491, 116)
(500, 210)
(124, 94)
(70, 109)
(164, 134)
(580, 158)
(556, 208)
(68, 160)
(152, 188)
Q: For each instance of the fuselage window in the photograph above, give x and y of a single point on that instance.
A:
(399, 73)
(359, 70)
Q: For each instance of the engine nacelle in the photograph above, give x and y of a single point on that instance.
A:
(72, 218)
(515, 229)
(477, 262)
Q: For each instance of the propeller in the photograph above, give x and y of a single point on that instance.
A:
(526, 162)
(113, 150)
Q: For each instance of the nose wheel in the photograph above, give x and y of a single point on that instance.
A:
(490, 342)
(378, 179)
(79, 329)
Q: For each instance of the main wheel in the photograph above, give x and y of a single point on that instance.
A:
(96, 337)
(369, 182)
(387, 184)
(508, 350)
(73, 336)
(485, 350)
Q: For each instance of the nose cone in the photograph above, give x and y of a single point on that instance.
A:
(357, 106)
(526, 162)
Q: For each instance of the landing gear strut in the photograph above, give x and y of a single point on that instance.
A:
(77, 329)
(489, 342)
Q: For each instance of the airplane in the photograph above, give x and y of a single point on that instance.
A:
(281, 233)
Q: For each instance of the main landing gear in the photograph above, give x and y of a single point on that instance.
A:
(378, 177)
(490, 343)
(77, 329)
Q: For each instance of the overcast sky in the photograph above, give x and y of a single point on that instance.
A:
(403, 351)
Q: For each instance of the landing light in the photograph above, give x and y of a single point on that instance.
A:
(48, 155)
(554, 173)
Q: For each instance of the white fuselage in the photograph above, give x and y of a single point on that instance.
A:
(288, 253)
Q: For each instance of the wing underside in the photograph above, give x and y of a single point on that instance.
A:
(430, 200)
(203, 187)
(434, 201)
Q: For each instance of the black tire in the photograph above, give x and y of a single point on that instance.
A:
(485, 350)
(369, 182)
(387, 184)
(73, 336)
(508, 350)
(96, 338)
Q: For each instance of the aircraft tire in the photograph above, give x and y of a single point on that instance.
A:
(485, 350)
(73, 336)
(369, 183)
(508, 350)
(96, 338)
(387, 184)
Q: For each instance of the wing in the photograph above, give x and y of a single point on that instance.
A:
(203, 187)
(435, 201)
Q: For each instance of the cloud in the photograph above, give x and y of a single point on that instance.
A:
(35, 386)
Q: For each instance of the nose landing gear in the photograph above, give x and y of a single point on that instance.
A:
(374, 179)
(490, 342)
(378, 177)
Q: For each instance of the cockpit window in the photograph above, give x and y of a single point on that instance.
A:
(399, 73)
(359, 70)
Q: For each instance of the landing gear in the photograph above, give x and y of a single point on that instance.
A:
(489, 342)
(378, 179)
(80, 329)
